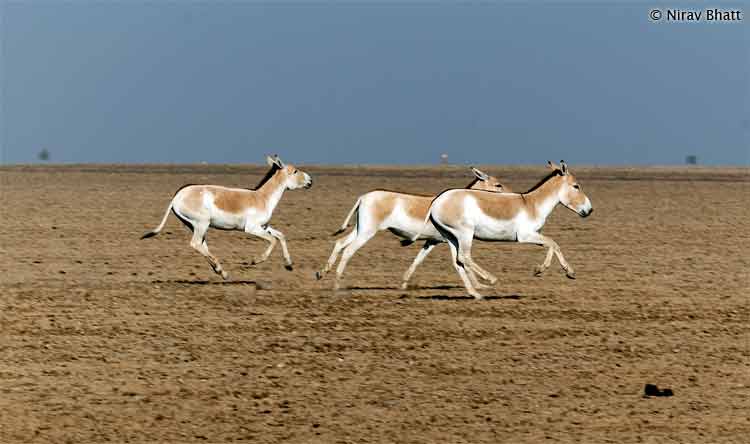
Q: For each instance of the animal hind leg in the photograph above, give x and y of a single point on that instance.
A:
(338, 246)
(462, 272)
(359, 241)
(198, 242)
(484, 274)
(214, 261)
(457, 264)
(472, 273)
(426, 249)
(472, 268)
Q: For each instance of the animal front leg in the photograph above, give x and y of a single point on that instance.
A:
(261, 233)
(547, 262)
(540, 239)
(284, 250)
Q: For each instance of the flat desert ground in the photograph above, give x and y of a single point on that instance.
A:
(108, 338)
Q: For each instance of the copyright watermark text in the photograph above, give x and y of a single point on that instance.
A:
(695, 15)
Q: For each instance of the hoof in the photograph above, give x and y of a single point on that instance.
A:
(404, 286)
(318, 275)
(224, 275)
(289, 267)
(539, 271)
(571, 274)
(478, 297)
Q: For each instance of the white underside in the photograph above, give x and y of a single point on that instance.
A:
(399, 222)
(407, 226)
(484, 226)
(218, 218)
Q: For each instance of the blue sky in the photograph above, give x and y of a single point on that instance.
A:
(359, 82)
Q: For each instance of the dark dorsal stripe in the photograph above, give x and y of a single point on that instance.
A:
(267, 177)
(401, 192)
(549, 176)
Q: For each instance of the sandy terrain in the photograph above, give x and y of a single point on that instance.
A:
(109, 338)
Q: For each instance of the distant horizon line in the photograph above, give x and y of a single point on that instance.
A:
(389, 165)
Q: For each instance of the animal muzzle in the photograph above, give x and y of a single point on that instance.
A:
(308, 182)
(586, 209)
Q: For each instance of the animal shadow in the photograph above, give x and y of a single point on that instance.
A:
(416, 287)
(435, 287)
(373, 288)
(205, 282)
(445, 297)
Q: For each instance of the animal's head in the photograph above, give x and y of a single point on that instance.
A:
(570, 192)
(486, 182)
(293, 178)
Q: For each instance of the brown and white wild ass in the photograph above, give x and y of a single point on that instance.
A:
(202, 206)
(462, 215)
(402, 214)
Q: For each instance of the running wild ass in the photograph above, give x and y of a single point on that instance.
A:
(403, 214)
(202, 206)
(462, 215)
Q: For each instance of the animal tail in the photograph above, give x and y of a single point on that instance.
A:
(161, 225)
(345, 225)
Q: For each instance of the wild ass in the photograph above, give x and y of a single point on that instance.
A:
(462, 215)
(202, 206)
(403, 215)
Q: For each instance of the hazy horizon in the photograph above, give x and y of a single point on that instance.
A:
(371, 84)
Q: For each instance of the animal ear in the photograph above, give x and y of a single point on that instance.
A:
(563, 167)
(479, 174)
(552, 165)
(270, 160)
(278, 161)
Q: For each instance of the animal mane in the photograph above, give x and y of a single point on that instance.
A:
(472, 183)
(549, 176)
(267, 177)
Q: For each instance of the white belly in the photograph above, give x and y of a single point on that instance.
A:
(402, 225)
(488, 228)
(227, 221)
(495, 230)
